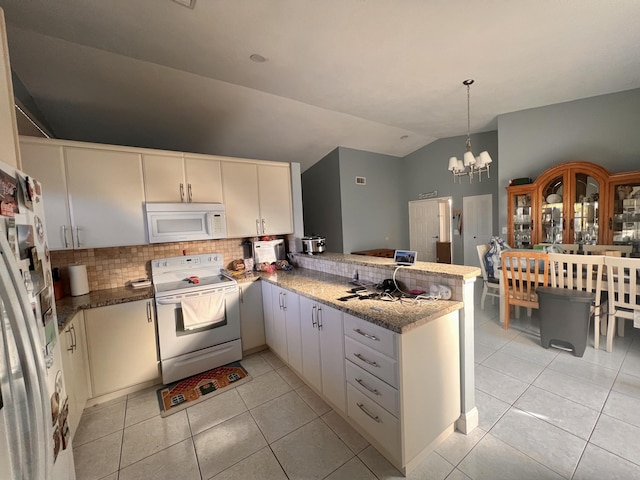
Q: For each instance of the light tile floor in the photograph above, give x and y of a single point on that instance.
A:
(544, 414)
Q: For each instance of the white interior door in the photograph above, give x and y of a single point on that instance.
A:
(424, 228)
(477, 225)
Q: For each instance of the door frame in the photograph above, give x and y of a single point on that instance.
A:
(443, 230)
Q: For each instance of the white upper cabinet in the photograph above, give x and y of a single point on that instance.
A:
(178, 178)
(9, 151)
(239, 187)
(163, 178)
(257, 198)
(106, 197)
(274, 187)
(204, 179)
(46, 163)
(95, 194)
(93, 197)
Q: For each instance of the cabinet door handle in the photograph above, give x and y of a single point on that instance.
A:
(258, 226)
(68, 330)
(189, 196)
(370, 415)
(182, 192)
(149, 316)
(284, 301)
(367, 335)
(77, 229)
(313, 316)
(75, 338)
(610, 223)
(319, 315)
(264, 227)
(372, 390)
(241, 295)
(360, 357)
(64, 236)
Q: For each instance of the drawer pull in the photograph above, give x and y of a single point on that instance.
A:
(360, 357)
(373, 417)
(372, 390)
(367, 335)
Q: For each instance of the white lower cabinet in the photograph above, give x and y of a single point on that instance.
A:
(286, 326)
(74, 364)
(400, 391)
(323, 350)
(375, 420)
(275, 328)
(122, 347)
(403, 391)
(251, 316)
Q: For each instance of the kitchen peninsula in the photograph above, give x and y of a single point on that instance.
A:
(402, 373)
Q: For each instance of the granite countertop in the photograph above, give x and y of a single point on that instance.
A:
(397, 316)
(464, 272)
(67, 307)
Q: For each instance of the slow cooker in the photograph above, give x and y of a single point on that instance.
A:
(313, 245)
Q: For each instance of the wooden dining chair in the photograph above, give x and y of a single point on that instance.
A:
(491, 286)
(522, 273)
(623, 250)
(581, 272)
(623, 287)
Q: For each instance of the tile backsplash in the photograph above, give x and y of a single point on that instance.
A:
(114, 267)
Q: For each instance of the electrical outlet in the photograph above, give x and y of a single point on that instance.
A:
(504, 230)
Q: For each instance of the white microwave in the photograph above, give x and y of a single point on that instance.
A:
(184, 222)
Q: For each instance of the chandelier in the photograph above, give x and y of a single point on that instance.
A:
(471, 165)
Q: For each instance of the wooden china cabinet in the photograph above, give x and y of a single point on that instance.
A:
(575, 202)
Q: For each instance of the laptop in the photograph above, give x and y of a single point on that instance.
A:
(405, 257)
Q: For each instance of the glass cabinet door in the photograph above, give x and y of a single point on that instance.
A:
(522, 221)
(585, 209)
(552, 221)
(626, 215)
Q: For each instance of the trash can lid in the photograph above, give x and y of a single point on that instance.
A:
(567, 294)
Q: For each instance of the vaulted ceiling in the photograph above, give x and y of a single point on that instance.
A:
(377, 75)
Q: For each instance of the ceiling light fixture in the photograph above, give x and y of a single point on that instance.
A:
(186, 3)
(256, 57)
(471, 164)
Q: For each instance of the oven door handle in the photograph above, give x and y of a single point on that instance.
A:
(168, 301)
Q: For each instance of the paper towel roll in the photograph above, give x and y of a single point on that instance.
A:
(78, 280)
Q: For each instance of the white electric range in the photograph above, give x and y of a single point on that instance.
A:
(186, 351)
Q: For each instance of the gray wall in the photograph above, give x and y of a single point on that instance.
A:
(602, 130)
(322, 206)
(426, 170)
(372, 214)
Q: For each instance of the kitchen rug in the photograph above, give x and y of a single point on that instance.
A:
(184, 393)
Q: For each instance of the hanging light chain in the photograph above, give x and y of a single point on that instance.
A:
(468, 83)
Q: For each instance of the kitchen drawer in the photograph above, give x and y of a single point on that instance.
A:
(374, 388)
(378, 338)
(375, 420)
(372, 361)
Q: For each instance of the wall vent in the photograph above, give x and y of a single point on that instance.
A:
(361, 180)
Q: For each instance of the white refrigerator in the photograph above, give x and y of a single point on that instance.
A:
(34, 434)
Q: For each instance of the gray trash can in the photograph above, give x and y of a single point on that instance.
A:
(564, 318)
